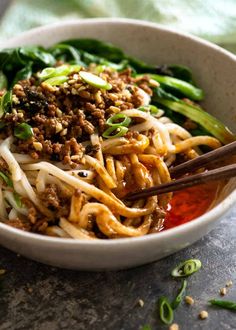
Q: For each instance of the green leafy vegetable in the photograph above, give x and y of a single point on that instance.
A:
(186, 268)
(224, 304)
(94, 80)
(24, 73)
(182, 86)
(3, 80)
(207, 121)
(114, 132)
(6, 179)
(5, 102)
(23, 131)
(180, 295)
(116, 120)
(165, 311)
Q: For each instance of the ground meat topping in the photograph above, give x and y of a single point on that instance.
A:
(62, 117)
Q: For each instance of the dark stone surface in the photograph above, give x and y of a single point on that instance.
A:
(63, 299)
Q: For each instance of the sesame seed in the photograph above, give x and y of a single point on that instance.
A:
(2, 271)
(203, 315)
(229, 283)
(189, 300)
(174, 326)
(223, 291)
(38, 146)
(141, 302)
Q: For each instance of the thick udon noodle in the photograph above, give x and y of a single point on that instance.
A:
(148, 157)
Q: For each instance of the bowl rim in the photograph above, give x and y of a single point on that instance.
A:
(207, 218)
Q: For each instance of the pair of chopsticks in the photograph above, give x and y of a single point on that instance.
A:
(224, 172)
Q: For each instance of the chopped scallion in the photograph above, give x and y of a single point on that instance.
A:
(17, 199)
(186, 268)
(56, 81)
(224, 304)
(116, 120)
(149, 108)
(180, 295)
(114, 132)
(94, 80)
(23, 131)
(165, 311)
(6, 179)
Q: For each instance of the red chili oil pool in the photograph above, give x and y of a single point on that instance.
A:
(189, 204)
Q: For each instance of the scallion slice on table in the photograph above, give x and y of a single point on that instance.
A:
(180, 295)
(114, 132)
(94, 80)
(120, 119)
(23, 131)
(224, 304)
(165, 311)
(186, 268)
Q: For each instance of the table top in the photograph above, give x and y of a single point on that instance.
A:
(38, 297)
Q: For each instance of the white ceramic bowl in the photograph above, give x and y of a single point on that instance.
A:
(214, 70)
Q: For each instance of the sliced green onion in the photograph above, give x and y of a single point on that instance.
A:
(6, 179)
(62, 70)
(210, 123)
(94, 80)
(165, 311)
(46, 73)
(186, 268)
(146, 327)
(23, 131)
(119, 132)
(224, 304)
(149, 108)
(180, 295)
(56, 81)
(17, 199)
(114, 120)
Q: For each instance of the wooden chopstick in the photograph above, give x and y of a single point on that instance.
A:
(224, 172)
(203, 160)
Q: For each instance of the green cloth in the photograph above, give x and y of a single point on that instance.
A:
(214, 20)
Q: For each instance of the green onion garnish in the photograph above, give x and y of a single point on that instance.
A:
(180, 295)
(94, 80)
(46, 73)
(114, 132)
(224, 304)
(23, 131)
(62, 70)
(149, 108)
(146, 327)
(165, 311)
(17, 199)
(6, 179)
(56, 81)
(186, 268)
(114, 121)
